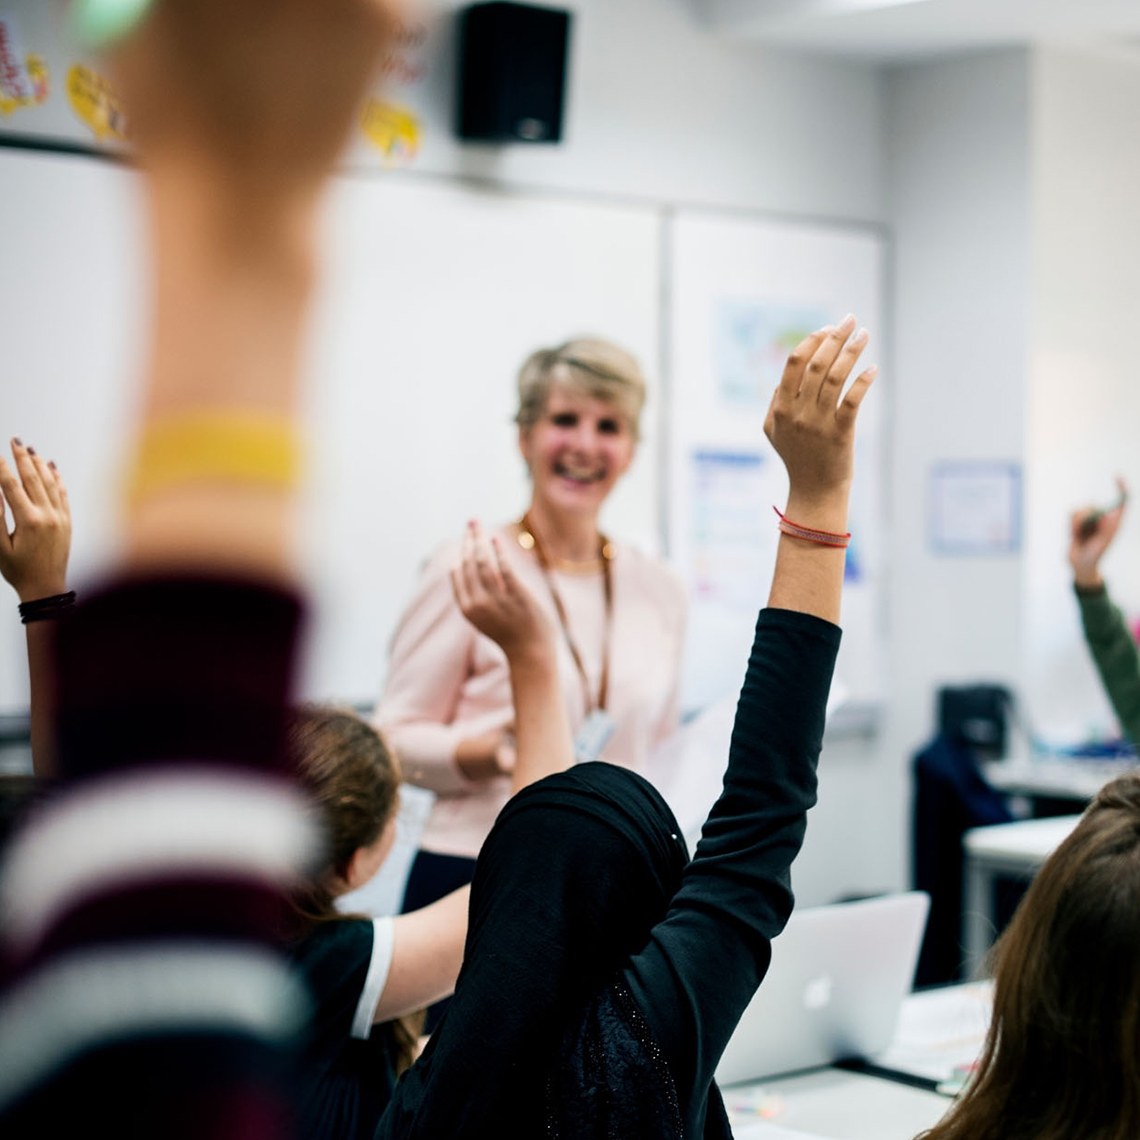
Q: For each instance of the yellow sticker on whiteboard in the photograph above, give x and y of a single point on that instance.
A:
(95, 103)
(38, 86)
(392, 129)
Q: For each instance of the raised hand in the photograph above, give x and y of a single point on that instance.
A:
(33, 555)
(811, 424)
(495, 602)
(811, 428)
(1092, 532)
(254, 89)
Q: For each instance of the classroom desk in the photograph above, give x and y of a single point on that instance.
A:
(1054, 777)
(1016, 849)
(937, 1030)
(830, 1104)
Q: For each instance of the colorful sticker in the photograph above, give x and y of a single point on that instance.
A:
(37, 71)
(23, 75)
(95, 103)
(392, 129)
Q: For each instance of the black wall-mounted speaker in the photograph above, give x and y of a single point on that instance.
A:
(512, 72)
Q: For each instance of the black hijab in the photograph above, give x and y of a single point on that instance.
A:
(541, 1039)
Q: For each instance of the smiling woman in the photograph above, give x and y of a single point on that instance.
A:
(447, 708)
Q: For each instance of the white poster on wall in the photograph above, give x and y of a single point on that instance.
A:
(975, 508)
(743, 293)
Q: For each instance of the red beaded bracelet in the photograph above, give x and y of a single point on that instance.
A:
(808, 534)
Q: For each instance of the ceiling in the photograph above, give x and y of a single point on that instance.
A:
(887, 30)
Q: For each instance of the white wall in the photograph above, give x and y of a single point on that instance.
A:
(662, 111)
(660, 108)
(958, 171)
(1084, 400)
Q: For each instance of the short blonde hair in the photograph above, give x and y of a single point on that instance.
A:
(597, 368)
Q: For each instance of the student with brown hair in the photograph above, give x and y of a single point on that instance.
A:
(366, 976)
(1062, 1057)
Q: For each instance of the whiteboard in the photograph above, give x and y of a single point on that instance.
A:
(742, 292)
(432, 295)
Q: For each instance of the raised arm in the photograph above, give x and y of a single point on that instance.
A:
(428, 943)
(705, 960)
(1091, 534)
(813, 431)
(173, 681)
(33, 560)
(238, 117)
(1112, 646)
(499, 605)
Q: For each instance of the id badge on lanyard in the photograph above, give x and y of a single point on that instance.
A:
(593, 735)
(596, 729)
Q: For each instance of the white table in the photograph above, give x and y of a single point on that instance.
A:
(1056, 777)
(830, 1104)
(937, 1030)
(1016, 849)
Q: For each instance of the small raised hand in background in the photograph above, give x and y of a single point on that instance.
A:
(1092, 531)
(33, 555)
(33, 560)
(494, 600)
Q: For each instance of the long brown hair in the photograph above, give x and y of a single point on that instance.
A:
(353, 781)
(1062, 1057)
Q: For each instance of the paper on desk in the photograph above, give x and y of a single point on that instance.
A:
(940, 1031)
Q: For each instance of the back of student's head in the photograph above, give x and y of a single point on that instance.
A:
(1062, 1060)
(353, 782)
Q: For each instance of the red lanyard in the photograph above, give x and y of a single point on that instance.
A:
(606, 554)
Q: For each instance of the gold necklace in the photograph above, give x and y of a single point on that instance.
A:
(528, 540)
(525, 539)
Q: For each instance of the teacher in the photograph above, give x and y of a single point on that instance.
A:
(446, 708)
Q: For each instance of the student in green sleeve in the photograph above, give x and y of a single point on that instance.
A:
(1113, 648)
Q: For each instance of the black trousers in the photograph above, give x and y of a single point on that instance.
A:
(432, 876)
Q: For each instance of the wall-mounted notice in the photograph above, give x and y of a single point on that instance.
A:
(975, 508)
(731, 541)
(743, 292)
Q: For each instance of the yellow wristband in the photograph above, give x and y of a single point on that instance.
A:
(224, 446)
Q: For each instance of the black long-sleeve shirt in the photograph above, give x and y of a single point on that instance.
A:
(706, 959)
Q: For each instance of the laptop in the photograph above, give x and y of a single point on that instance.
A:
(837, 980)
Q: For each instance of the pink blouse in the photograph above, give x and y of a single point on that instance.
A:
(447, 682)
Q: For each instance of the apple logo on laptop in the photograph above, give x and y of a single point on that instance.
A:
(817, 993)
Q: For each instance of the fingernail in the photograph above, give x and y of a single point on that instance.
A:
(860, 337)
(51, 464)
(872, 372)
(848, 323)
(31, 451)
(17, 441)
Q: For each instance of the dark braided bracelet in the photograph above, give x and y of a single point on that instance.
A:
(45, 609)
